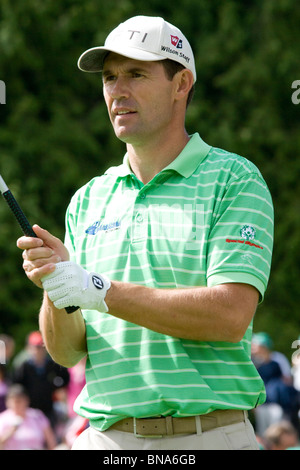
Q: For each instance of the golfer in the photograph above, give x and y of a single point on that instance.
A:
(166, 255)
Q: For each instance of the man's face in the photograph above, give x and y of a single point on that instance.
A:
(139, 99)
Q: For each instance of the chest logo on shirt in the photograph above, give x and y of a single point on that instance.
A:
(100, 226)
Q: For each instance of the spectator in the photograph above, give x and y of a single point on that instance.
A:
(263, 339)
(41, 377)
(22, 355)
(281, 436)
(296, 364)
(7, 346)
(279, 392)
(71, 424)
(3, 387)
(73, 429)
(22, 427)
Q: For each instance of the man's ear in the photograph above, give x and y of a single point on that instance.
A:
(185, 80)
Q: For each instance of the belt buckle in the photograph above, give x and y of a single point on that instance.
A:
(144, 435)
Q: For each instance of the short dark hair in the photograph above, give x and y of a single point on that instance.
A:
(171, 68)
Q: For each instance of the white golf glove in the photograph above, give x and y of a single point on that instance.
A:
(70, 284)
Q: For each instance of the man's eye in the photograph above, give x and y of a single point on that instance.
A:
(137, 75)
(108, 78)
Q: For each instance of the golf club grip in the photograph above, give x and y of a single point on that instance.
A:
(25, 225)
(19, 214)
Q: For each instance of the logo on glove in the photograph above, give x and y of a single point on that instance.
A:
(97, 281)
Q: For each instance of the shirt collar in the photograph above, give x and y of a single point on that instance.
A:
(185, 164)
(191, 156)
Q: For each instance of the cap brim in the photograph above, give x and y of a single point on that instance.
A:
(92, 59)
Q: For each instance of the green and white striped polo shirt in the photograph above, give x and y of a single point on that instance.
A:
(206, 219)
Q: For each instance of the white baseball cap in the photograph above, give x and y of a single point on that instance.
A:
(144, 38)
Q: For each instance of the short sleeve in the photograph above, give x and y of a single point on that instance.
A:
(241, 240)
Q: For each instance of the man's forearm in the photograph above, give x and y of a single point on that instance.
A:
(63, 334)
(220, 313)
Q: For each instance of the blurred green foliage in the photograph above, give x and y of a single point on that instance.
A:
(55, 134)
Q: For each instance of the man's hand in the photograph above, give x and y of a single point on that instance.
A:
(41, 254)
(70, 284)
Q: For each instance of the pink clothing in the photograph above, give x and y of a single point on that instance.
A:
(76, 384)
(30, 432)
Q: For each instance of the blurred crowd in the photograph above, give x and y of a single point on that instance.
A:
(37, 397)
(277, 421)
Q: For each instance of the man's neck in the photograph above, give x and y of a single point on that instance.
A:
(148, 161)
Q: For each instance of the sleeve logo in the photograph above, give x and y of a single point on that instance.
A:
(248, 232)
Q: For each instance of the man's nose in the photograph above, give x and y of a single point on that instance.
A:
(119, 88)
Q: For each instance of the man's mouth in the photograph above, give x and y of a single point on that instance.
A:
(123, 112)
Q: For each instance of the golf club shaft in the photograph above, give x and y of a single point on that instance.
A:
(21, 218)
